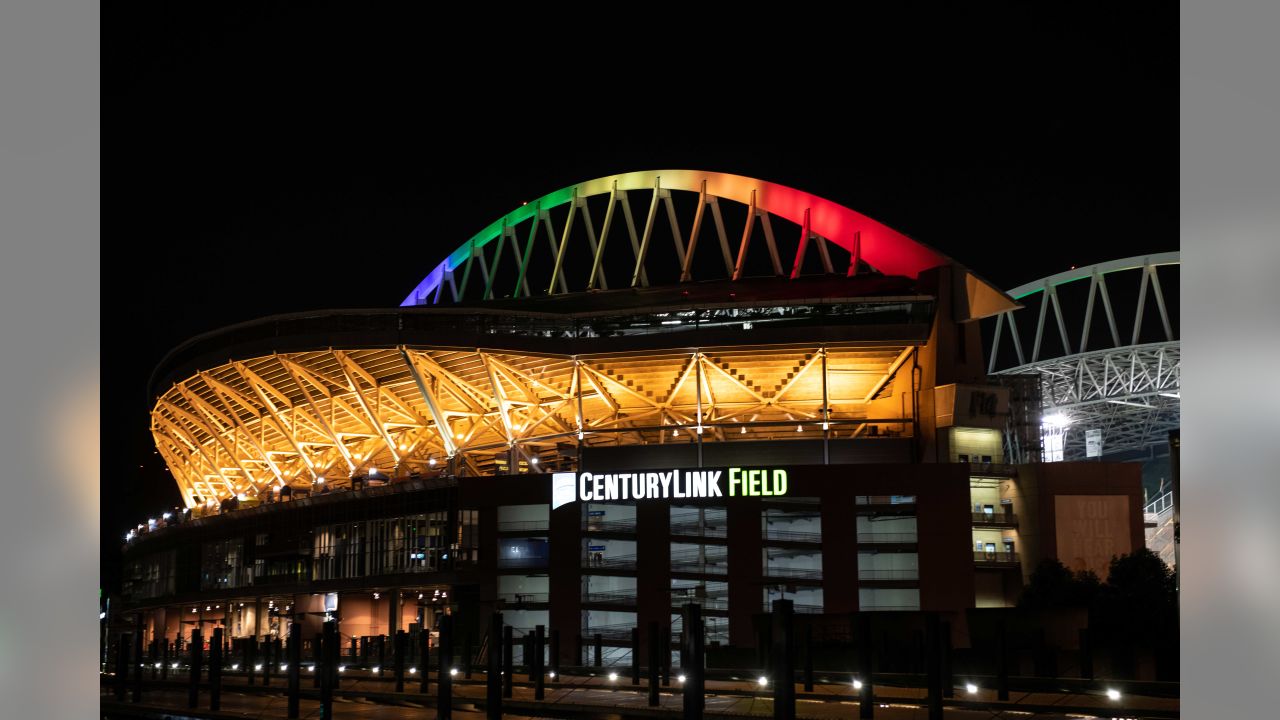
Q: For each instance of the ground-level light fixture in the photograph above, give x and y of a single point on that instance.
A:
(613, 676)
(377, 668)
(1113, 694)
(857, 684)
(235, 666)
(680, 678)
(970, 688)
(413, 670)
(454, 671)
(257, 667)
(553, 674)
(762, 681)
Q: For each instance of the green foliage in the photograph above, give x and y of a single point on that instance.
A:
(1054, 585)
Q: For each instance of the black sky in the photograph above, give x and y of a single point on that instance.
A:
(272, 160)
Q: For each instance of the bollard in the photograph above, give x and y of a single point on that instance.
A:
(599, 640)
(424, 654)
(250, 655)
(653, 664)
(808, 657)
(444, 684)
(295, 667)
(122, 666)
(555, 653)
(539, 673)
(948, 678)
(493, 679)
(635, 656)
(508, 661)
(382, 655)
(354, 655)
(783, 663)
(933, 665)
(467, 657)
(164, 658)
(317, 660)
(329, 668)
(1086, 654)
(193, 676)
(691, 660)
(866, 667)
(1002, 661)
(153, 652)
(137, 662)
(215, 670)
(398, 647)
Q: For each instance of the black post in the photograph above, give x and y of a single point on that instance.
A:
(382, 655)
(328, 668)
(122, 666)
(295, 666)
(866, 668)
(153, 652)
(508, 661)
(493, 680)
(933, 665)
(1086, 654)
(164, 658)
(784, 676)
(444, 683)
(399, 660)
(268, 657)
(577, 659)
(539, 671)
(691, 661)
(250, 656)
(1002, 660)
(948, 678)
(555, 654)
(137, 663)
(193, 677)
(808, 657)
(354, 654)
(467, 657)
(318, 657)
(599, 658)
(424, 655)
(654, 648)
(635, 656)
(215, 670)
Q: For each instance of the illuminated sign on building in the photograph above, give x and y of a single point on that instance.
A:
(667, 484)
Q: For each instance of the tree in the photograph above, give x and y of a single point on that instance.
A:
(1054, 585)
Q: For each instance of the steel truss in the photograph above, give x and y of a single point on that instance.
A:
(297, 418)
(1129, 391)
(844, 241)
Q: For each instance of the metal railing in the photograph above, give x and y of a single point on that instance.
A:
(528, 597)
(619, 526)
(616, 562)
(615, 598)
(887, 537)
(522, 562)
(888, 574)
(886, 500)
(785, 572)
(707, 603)
(795, 607)
(697, 530)
(1000, 518)
(1160, 504)
(792, 536)
(523, 526)
(999, 558)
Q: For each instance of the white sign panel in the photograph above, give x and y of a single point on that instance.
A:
(1093, 443)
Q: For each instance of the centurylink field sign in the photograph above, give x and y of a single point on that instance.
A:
(667, 484)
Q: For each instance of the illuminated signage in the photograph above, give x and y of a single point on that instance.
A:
(667, 485)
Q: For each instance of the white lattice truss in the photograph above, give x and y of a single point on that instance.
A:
(334, 414)
(1131, 391)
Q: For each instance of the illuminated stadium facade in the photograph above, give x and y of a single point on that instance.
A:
(740, 393)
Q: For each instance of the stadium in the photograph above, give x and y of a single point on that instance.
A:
(637, 392)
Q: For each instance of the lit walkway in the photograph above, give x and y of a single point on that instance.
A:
(584, 696)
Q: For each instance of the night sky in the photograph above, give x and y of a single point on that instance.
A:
(270, 161)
